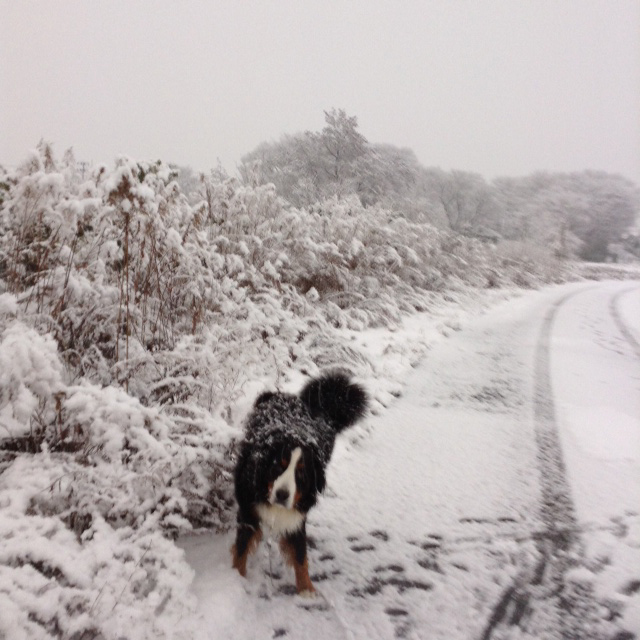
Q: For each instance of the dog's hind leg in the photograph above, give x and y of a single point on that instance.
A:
(248, 537)
(294, 549)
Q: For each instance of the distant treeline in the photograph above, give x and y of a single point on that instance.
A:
(587, 215)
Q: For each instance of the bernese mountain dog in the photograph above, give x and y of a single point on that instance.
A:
(281, 465)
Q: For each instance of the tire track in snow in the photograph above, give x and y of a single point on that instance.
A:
(560, 546)
(540, 600)
(617, 318)
(557, 509)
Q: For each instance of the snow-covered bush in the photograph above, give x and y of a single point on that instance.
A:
(527, 265)
(89, 480)
(108, 583)
(30, 381)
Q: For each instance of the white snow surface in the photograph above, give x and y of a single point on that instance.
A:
(433, 502)
(596, 379)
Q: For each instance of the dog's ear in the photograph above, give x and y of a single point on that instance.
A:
(336, 399)
(243, 491)
(265, 396)
(319, 478)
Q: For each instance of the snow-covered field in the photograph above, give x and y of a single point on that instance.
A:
(450, 513)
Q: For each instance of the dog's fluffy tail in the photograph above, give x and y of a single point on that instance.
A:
(334, 397)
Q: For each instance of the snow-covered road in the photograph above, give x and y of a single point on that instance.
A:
(451, 514)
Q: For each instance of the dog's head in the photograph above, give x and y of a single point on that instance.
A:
(290, 475)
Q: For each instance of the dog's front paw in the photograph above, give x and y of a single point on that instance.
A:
(312, 600)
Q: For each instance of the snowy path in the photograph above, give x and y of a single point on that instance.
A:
(449, 515)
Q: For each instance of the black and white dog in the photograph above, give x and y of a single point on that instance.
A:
(281, 466)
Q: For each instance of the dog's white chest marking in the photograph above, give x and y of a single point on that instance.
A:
(280, 519)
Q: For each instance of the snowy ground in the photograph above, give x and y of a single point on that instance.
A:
(451, 514)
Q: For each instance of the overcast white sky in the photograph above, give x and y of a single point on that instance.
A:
(501, 87)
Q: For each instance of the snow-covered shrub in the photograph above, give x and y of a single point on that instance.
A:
(126, 459)
(30, 386)
(82, 514)
(528, 265)
(108, 583)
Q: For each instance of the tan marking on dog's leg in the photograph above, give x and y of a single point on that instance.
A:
(240, 562)
(303, 581)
